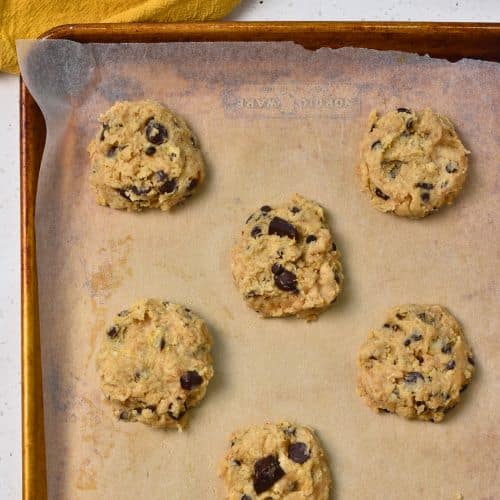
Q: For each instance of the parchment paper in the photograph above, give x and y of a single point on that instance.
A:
(273, 119)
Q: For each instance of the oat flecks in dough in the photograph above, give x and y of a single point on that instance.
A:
(286, 262)
(155, 363)
(416, 364)
(276, 461)
(144, 156)
(412, 162)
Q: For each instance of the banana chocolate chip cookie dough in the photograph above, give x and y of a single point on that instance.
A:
(155, 363)
(286, 261)
(144, 156)
(412, 162)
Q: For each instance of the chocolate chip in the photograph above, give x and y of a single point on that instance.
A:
(446, 349)
(111, 152)
(245, 497)
(281, 227)
(425, 318)
(376, 145)
(420, 359)
(298, 452)
(400, 316)
(470, 359)
(409, 127)
(407, 342)
(138, 410)
(176, 413)
(267, 471)
(137, 376)
(123, 193)
(192, 184)
(310, 238)
(155, 132)
(404, 110)
(160, 176)
(334, 247)
(394, 171)
(190, 379)
(112, 332)
(386, 325)
(256, 231)
(277, 268)
(412, 377)
(295, 210)
(168, 187)
(105, 128)
(150, 150)
(425, 196)
(450, 365)
(124, 415)
(395, 327)
(451, 168)
(162, 343)
(151, 407)
(381, 194)
(140, 191)
(265, 209)
(424, 185)
(286, 281)
(416, 337)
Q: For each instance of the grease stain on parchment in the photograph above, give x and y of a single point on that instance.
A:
(86, 476)
(97, 327)
(111, 272)
(96, 438)
(92, 429)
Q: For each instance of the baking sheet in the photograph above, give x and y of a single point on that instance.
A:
(273, 119)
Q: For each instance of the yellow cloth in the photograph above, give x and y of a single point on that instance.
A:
(30, 18)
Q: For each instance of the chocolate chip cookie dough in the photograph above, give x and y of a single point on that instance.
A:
(276, 461)
(416, 364)
(155, 363)
(144, 157)
(286, 262)
(412, 162)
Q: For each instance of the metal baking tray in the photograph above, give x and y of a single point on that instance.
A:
(444, 40)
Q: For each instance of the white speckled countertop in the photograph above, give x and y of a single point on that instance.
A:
(320, 10)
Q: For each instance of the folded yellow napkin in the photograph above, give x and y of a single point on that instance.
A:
(31, 18)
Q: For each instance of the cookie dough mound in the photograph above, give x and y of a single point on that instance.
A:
(144, 157)
(285, 262)
(416, 364)
(155, 363)
(412, 162)
(276, 461)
